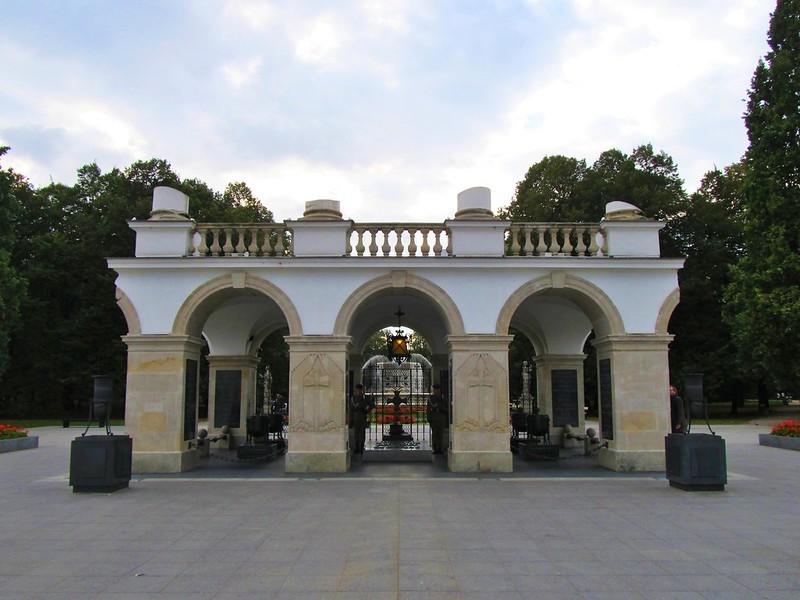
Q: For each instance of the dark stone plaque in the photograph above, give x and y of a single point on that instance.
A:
(227, 398)
(190, 401)
(565, 397)
(606, 401)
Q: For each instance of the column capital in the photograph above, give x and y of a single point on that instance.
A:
(319, 343)
(480, 342)
(559, 360)
(633, 342)
(221, 362)
(153, 342)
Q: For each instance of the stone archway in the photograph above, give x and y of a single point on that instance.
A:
(129, 312)
(204, 299)
(164, 369)
(400, 281)
(667, 308)
(604, 315)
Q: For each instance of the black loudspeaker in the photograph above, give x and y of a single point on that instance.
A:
(694, 398)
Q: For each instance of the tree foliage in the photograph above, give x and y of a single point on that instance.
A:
(13, 190)
(564, 189)
(710, 235)
(764, 295)
(70, 326)
(706, 228)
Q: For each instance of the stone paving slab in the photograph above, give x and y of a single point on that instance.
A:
(402, 532)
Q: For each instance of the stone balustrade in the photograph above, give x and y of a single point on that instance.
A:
(392, 239)
(241, 239)
(555, 239)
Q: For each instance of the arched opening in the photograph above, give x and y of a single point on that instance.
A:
(399, 428)
(553, 321)
(242, 322)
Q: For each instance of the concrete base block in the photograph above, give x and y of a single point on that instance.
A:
(14, 444)
(645, 461)
(165, 462)
(480, 462)
(317, 462)
(777, 441)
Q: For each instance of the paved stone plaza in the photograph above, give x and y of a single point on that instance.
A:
(562, 531)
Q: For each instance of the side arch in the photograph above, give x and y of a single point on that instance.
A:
(129, 311)
(595, 302)
(198, 305)
(404, 281)
(666, 310)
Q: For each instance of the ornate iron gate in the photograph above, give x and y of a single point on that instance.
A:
(400, 393)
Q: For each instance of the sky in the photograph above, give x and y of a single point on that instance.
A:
(392, 107)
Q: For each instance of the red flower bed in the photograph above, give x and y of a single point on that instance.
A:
(389, 409)
(389, 418)
(10, 432)
(790, 428)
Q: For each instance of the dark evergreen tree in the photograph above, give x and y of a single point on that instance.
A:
(13, 190)
(710, 235)
(764, 295)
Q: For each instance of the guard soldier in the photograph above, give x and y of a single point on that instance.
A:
(360, 408)
(437, 418)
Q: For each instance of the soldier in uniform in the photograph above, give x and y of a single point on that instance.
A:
(360, 408)
(437, 418)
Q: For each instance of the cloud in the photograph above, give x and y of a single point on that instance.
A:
(239, 74)
(253, 13)
(319, 45)
(391, 106)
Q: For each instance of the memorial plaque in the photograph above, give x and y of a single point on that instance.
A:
(565, 397)
(606, 401)
(190, 401)
(227, 398)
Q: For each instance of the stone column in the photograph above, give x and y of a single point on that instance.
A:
(633, 381)
(231, 394)
(317, 378)
(161, 401)
(479, 430)
(559, 392)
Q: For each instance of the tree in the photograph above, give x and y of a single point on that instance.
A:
(70, 324)
(764, 294)
(559, 188)
(553, 190)
(12, 286)
(710, 235)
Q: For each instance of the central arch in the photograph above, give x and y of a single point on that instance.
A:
(400, 282)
